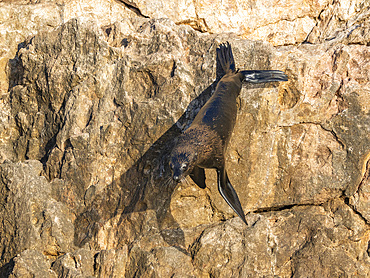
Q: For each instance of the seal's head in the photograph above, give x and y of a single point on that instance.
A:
(182, 162)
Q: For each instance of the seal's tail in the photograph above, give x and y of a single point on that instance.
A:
(263, 76)
(225, 60)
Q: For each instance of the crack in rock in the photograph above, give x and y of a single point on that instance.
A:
(283, 207)
(133, 7)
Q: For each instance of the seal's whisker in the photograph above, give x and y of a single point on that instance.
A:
(187, 182)
(167, 182)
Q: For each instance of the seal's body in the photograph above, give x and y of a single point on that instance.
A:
(204, 143)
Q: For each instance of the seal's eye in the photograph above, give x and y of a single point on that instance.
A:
(184, 166)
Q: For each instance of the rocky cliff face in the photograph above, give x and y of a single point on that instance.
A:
(92, 96)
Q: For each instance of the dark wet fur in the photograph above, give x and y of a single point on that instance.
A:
(204, 143)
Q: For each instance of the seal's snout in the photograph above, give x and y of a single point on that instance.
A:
(177, 170)
(176, 178)
(177, 175)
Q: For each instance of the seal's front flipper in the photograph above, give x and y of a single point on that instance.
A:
(263, 76)
(228, 193)
(199, 177)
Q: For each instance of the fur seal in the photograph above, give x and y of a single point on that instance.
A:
(204, 143)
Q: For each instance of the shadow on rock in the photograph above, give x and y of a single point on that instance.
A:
(146, 186)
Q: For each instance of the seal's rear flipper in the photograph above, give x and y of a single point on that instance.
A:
(224, 60)
(228, 193)
(199, 177)
(263, 76)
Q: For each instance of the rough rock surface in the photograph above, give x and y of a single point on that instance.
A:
(92, 96)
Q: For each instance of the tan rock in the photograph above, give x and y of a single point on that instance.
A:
(280, 23)
(361, 199)
(100, 99)
(31, 219)
(19, 22)
(105, 12)
(111, 263)
(277, 33)
(343, 20)
(31, 263)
